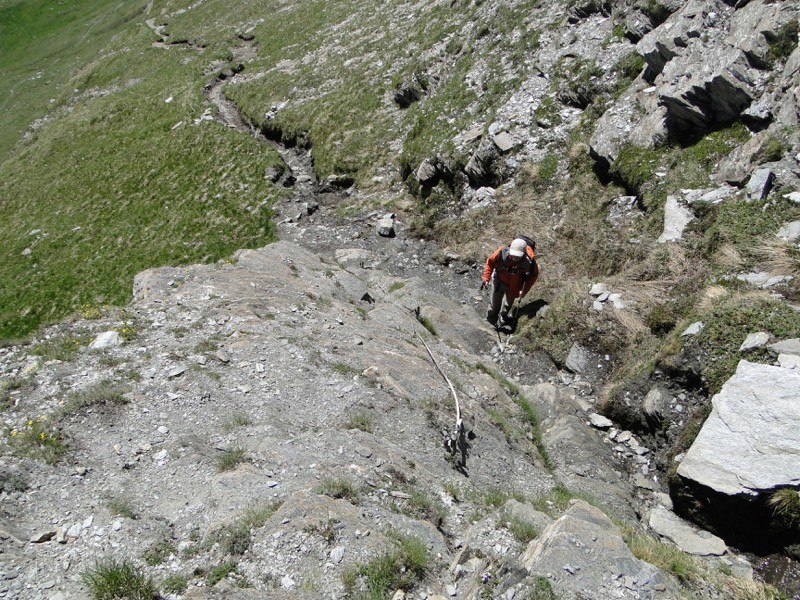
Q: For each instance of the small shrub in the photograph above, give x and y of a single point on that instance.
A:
(523, 531)
(203, 346)
(230, 459)
(398, 569)
(360, 420)
(237, 420)
(35, 441)
(236, 539)
(122, 508)
(158, 552)
(127, 332)
(13, 482)
(542, 590)
(344, 369)
(338, 488)
(175, 584)
(112, 580)
(220, 572)
(783, 43)
(397, 285)
(62, 347)
(105, 393)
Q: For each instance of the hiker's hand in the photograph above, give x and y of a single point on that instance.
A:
(483, 286)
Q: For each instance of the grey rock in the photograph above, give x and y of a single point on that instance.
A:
(504, 142)
(687, 537)
(577, 359)
(790, 232)
(735, 451)
(598, 289)
(386, 225)
(676, 218)
(791, 346)
(758, 339)
(616, 300)
(763, 279)
(585, 536)
(107, 339)
(656, 403)
(759, 184)
(427, 171)
(789, 361)
(337, 554)
(43, 536)
(600, 421)
(693, 329)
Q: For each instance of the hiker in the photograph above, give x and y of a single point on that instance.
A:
(512, 271)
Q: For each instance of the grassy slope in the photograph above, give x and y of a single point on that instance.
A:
(41, 44)
(111, 185)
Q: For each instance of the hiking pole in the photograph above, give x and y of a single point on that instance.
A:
(459, 424)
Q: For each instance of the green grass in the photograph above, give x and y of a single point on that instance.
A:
(229, 459)
(175, 584)
(397, 569)
(159, 552)
(111, 580)
(523, 531)
(360, 420)
(122, 507)
(41, 45)
(34, 439)
(729, 323)
(105, 393)
(339, 487)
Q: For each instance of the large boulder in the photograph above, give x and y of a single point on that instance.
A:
(583, 552)
(746, 450)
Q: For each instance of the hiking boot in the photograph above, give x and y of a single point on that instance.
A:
(491, 317)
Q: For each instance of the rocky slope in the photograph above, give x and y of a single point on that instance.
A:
(271, 425)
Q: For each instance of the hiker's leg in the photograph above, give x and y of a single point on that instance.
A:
(507, 301)
(495, 299)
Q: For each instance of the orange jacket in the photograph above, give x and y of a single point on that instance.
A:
(519, 276)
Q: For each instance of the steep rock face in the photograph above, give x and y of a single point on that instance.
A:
(611, 571)
(313, 382)
(746, 450)
(708, 65)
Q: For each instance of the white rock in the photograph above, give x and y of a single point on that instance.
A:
(693, 329)
(758, 339)
(789, 361)
(598, 289)
(107, 339)
(600, 421)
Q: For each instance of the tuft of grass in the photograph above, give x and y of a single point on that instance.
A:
(34, 440)
(111, 580)
(61, 347)
(542, 590)
(783, 43)
(344, 369)
(122, 507)
(236, 420)
(400, 569)
(528, 411)
(13, 482)
(360, 420)
(785, 504)
(523, 531)
(106, 393)
(175, 584)
(426, 323)
(396, 286)
(159, 552)
(230, 459)
(339, 487)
